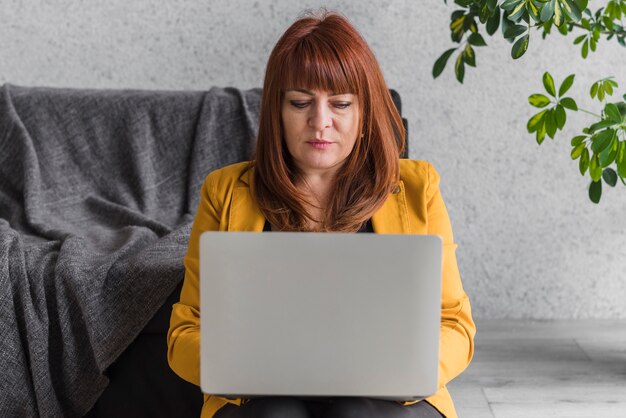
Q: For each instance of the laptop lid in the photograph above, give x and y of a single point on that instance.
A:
(320, 314)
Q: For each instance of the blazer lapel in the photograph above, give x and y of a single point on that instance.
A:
(245, 214)
(392, 217)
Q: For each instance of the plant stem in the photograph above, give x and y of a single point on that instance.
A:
(590, 113)
(604, 32)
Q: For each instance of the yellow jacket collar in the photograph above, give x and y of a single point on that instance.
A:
(245, 215)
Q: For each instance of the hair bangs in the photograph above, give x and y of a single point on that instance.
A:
(316, 65)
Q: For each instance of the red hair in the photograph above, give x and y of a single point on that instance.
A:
(327, 53)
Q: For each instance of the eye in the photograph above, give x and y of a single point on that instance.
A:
(342, 105)
(299, 104)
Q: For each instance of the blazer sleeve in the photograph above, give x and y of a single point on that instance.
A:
(183, 337)
(456, 342)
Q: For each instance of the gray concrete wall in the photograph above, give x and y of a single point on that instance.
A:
(531, 244)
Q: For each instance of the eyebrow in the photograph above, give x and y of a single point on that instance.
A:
(310, 93)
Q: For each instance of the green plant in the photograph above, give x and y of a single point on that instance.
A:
(601, 148)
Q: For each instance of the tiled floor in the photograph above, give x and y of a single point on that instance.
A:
(553, 369)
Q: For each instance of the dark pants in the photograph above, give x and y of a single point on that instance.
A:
(291, 407)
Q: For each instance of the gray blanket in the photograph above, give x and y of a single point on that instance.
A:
(98, 189)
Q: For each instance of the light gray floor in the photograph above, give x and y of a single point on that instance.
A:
(552, 369)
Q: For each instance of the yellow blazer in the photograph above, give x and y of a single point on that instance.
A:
(226, 204)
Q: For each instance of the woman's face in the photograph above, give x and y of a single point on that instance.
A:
(320, 128)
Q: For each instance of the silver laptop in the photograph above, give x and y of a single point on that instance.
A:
(320, 314)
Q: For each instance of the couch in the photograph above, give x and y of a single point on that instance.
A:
(98, 189)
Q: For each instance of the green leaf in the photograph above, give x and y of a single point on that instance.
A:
(568, 103)
(517, 12)
(520, 47)
(620, 160)
(571, 10)
(468, 56)
(595, 171)
(616, 13)
(592, 43)
(610, 176)
(505, 24)
(538, 100)
(548, 83)
(601, 92)
(585, 50)
(459, 68)
(561, 117)
(611, 82)
(612, 112)
(578, 150)
(595, 191)
(608, 155)
(595, 34)
(541, 133)
(567, 83)
(456, 28)
(509, 5)
(441, 62)
(601, 140)
(585, 24)
(535, 122)
(492, 4)
(579, 39)
(583, 164)
(600, 125)
(456, 15)
(547, 11)
(533, 10)
(594, 90)
(493, 23)
(470, 24)
(515, 31)
(577, 140)
(582, 4)
(550, 122)
(484, 13)
(476, 39)
(559, 19)
(607, 22)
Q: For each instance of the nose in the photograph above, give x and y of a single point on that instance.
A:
(320, 117)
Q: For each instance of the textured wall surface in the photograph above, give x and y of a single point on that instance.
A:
(531, 244)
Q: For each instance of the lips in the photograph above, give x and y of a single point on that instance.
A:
(319, 143)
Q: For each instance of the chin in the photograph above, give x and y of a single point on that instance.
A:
(324, 162)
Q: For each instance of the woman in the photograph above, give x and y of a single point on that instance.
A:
(327, 160)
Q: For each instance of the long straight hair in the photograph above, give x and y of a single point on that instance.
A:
(325, 52)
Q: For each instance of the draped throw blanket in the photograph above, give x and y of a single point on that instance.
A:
(98, 189)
